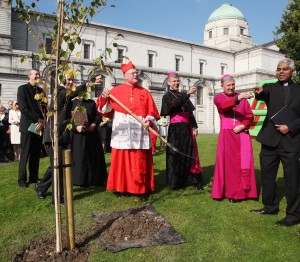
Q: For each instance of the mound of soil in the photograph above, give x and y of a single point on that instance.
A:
(116, 231)
(135, 228)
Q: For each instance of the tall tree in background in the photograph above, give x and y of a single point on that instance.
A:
(287, 35)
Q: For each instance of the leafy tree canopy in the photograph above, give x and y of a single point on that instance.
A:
(287, 35)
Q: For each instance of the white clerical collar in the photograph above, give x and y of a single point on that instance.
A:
(285, 84)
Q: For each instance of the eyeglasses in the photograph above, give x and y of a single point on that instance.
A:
(133, 73)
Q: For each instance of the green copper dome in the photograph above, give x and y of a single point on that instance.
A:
(226, 11)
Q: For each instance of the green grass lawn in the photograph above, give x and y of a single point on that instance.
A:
(213, 230)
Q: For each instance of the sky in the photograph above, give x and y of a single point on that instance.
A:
(185, 19)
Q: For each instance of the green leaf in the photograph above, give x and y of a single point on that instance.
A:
(109, 51)
(23, 58)
(78, 40)
(82, 109)
(71, 46)
(86, 96)
(69, 126)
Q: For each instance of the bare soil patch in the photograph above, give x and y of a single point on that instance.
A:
(114, 231)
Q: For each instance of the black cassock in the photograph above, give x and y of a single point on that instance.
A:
(178, 166)
(89, 167)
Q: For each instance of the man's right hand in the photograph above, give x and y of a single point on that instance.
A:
(105, 92)
(80, 129)
(258, 89)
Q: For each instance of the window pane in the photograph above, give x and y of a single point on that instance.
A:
(222, 70)
(86, 51)
(99, 87)
(48, 46)
(150, 60)
(226, 31)
(177, 64)
(120, 56)
(199, 95)
(210, 34)
(201, 68)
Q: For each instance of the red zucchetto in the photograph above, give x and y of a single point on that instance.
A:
(126, 67)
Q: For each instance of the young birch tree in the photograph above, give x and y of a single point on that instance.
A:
(69, 23)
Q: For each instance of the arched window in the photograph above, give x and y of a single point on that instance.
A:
(199, 95)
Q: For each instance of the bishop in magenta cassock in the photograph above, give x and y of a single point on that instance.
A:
(234, 176)
(131, 169)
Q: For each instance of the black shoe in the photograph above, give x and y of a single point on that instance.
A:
(264, 211)
(23, 184)
(233, 200)
(119, 194)
(103, 183)
(34, 181)
(144, 198)
(286, 222)
(40, 194)
(199, 186)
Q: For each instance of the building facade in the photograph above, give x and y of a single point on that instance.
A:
(227, 48)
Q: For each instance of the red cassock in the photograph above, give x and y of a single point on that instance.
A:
(131, 167)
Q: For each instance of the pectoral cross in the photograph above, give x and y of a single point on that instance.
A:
(234, 120)
(131, 94)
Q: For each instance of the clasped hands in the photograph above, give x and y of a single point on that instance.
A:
(40, 126)
(85, 129)
(238, 129)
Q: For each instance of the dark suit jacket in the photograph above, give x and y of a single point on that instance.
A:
(273, 95)
(31, 109)
(64, 108)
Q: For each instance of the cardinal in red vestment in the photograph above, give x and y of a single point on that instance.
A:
(131, 169)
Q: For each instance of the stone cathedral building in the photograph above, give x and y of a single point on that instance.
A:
(227, 48)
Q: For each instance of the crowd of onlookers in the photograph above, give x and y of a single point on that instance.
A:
(9, 132)
(10, 136)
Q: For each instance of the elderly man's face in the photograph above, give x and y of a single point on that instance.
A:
(10, 105)
(131, 76)
(283, 72)
(174, 83)
(33, 76)
(229, 87)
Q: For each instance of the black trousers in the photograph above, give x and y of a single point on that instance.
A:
(48, 179)
(270, 159)
(31, 151)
